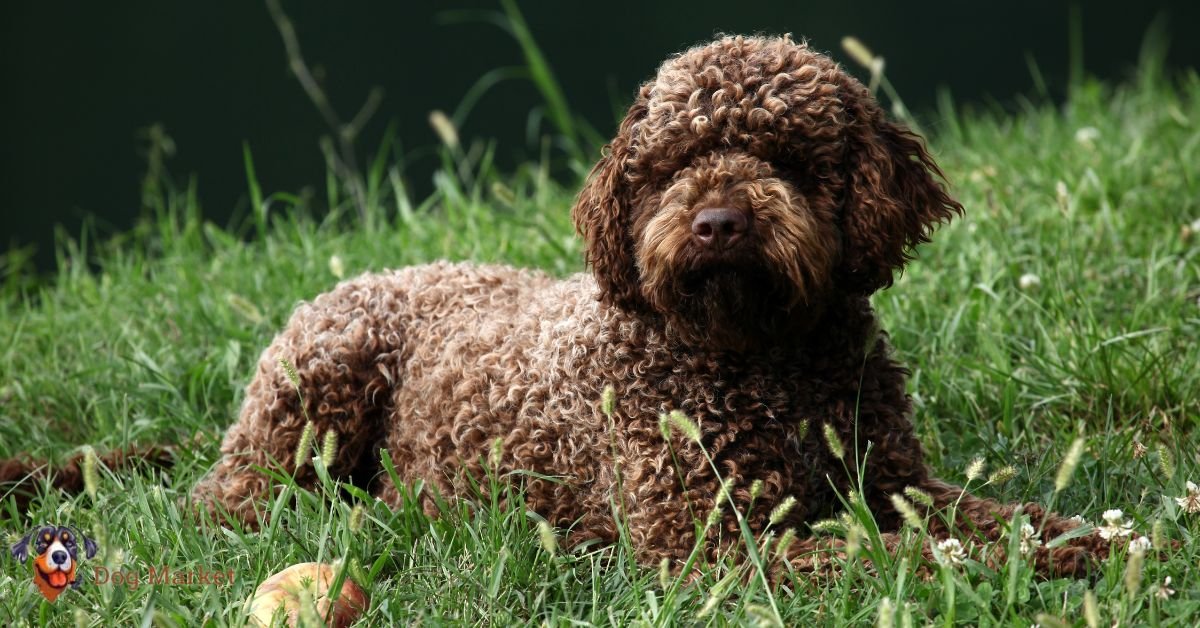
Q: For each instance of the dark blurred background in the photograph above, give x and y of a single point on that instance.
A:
(81, 79)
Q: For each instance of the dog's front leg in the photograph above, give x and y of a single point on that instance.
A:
(333, 366)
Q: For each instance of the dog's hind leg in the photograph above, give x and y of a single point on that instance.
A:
(334, 365)
(965, 516)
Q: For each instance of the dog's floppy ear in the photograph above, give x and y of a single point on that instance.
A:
(602, 216)
(20, 549)
(89, 546)
(894, 196)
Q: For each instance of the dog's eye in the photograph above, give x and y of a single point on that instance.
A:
(47, 537)
(66, 536)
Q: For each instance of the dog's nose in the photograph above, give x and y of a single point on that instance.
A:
(59, 557)
(719, 227)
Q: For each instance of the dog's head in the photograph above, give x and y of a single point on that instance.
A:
(751, 177)
(56, 557)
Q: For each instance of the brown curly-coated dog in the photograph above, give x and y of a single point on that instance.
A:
(754, 197)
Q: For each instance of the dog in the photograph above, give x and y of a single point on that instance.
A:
(56, 557)
(753, 199)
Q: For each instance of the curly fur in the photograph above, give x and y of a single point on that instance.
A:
(755, 342)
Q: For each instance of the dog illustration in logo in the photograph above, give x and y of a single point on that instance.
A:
(56, 556)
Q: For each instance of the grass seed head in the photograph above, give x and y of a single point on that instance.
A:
(329, 448)
(1050, 621)
(762, 616)
(1166, 462)
(290, 371)
(826, 526)
(785, 541)
(444, 127)
(781, 511)
(975, 469)
(1067, 468)
(91, 473)
(887, 614)
(858, 51)
(724, 490)
(546, 536)
(304, 446)
(357, 574)
(854, 537)
(709, 604)
(357, 514)
(608, 401)
(496, 452)
(907, 511)
(833, 442)
(244, 307)
(1156, 534)
(503, 193)
(308, 614)
(919, 496)
(336, 267)
(1002, 475)
(680, 422)
(756, 488)
(713, 517)
(1091, 610)
(802, 429)
(1063, 196)
(1133, 572)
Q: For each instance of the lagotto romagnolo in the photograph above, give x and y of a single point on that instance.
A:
(753, 199)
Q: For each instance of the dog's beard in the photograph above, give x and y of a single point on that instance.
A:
(730, 308)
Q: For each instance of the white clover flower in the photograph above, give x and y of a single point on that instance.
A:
(1080, 520)
(1087, 136)
(1140, 545)
(1190, 503)
(1029, 281)
(949, 553)
(1029, 539)
(1164, 590)
(1114, 525)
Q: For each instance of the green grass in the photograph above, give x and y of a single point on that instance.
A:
(150, 335)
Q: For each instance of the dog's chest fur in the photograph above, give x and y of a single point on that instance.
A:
(531, 376)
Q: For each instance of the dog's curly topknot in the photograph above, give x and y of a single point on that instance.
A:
(753, 198)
